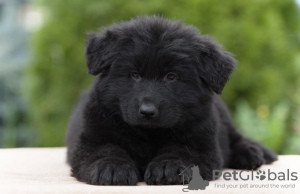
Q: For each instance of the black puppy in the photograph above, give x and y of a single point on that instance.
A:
(154, 109)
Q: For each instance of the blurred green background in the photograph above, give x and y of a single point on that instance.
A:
(42, 66)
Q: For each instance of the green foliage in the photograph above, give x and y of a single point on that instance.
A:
(263, 34)
(14, 129)
(263, 125)
(293, 140)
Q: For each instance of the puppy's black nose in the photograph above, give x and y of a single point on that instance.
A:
(148, 110)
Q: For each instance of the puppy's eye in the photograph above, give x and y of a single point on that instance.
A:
(171, 76)
(135, 75)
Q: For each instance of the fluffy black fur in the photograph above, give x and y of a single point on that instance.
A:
(154, 108)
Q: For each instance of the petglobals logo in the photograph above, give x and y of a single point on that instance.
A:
(196, 182)
(254, 175)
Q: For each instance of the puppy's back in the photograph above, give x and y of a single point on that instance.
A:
(75, 124)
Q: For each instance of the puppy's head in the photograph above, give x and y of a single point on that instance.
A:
(158, 72)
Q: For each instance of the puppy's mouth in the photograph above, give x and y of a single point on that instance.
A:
(156, 123)
(152, 125)
(149, 126)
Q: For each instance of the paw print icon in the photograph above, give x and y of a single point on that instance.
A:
(261, 175)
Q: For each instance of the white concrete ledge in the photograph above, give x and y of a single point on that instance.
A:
(43, 170)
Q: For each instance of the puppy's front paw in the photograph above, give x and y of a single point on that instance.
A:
(167, 172)
(109, 171)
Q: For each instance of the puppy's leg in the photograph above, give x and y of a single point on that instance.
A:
(103, 165)
(244, 153)
(175, 160)
(247, 154)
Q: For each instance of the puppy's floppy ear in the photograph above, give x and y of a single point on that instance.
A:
(99, 52)
(215, 65)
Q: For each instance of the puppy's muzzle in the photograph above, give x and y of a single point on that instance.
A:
(148, 110)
